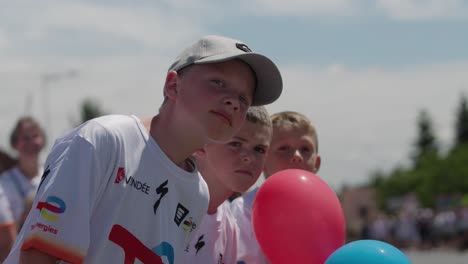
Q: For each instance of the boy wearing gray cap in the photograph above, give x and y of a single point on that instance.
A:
(119, 188)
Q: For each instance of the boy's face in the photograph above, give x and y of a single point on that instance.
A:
(216, 96)
(237, 164)
(292, 148)
(30, 141)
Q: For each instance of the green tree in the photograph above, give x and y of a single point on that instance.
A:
(90, 109)
(426, 141)
(461, 125)
(432, 175)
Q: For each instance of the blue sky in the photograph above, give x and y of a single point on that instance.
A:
(361, 69)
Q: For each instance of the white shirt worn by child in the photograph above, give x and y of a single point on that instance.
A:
(248, 249)
(109, 194)
(215, 239)
(17, 187)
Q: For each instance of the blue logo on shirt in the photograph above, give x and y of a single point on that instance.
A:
(165, 249)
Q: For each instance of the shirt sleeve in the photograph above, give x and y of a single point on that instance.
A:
(6, 215)
(59, 221)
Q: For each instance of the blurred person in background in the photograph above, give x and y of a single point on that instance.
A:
(380, 228)
(28, 140)
(6, 162)
(7, 226)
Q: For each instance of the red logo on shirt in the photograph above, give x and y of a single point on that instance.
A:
(44, 228)
(120, 175)
(134, 249)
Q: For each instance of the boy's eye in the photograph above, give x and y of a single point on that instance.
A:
(218, 83)
(305, 149)
(235, 144)
(260, 150)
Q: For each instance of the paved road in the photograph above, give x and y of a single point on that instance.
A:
(437, 257)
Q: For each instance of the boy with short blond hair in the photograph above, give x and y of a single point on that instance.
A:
(294, 145)
(227, 168)
(120, 189)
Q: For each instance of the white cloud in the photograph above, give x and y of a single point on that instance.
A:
(423, 9)
(366, 118)
(147, 25)
(301, 7)
(393, 9)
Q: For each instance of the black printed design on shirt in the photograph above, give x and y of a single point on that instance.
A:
(44, 176)
(161, 190)
(200, 244)
(180, 214)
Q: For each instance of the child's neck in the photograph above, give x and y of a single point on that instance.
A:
(173, 141)
(29, 167)
(217, 197)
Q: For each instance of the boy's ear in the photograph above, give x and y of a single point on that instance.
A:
(318, 161)
(200, 154)
(171, 85)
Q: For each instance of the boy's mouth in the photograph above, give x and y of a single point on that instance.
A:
(227, 117)
(247, 172)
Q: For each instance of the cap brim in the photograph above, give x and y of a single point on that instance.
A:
(269, 81)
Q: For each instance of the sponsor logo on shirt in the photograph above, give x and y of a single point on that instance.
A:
(181, 213)
(120, 175)
(189, 225)
(51, 208)
(220, 259)
(161, 191)
(134, 249)
(136, 184)
(165, 249)
(44, 228)
(200, 244)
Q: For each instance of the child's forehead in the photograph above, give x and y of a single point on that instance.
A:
(28, 127)
(293, 130)
(254, 133)
(251, 130)
(293, 134)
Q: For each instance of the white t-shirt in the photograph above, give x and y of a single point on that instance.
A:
(6, 216)
(17, 187)
(109, 194)
(215, 239)
(248, 249)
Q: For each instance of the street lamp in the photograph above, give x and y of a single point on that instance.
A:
(46, 80)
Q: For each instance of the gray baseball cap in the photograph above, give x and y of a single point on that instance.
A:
(210, 49)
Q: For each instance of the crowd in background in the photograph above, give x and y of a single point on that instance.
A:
(422, 228)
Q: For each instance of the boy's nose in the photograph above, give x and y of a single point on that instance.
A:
(296, 157)
(246, 158)
(232, 103)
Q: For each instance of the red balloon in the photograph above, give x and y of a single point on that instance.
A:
(297, 218)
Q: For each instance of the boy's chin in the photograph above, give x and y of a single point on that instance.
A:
(243, 189)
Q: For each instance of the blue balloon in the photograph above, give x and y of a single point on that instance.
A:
(368, 252)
